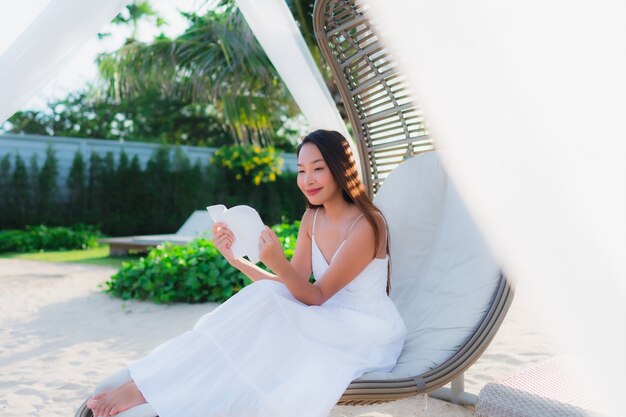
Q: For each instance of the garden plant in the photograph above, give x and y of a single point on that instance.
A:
(193, 273)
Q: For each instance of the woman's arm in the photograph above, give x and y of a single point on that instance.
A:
(355, 255)
(223, 239)
(300, 267)
(251, 270)
(301, 260)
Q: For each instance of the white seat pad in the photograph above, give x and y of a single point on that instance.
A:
(443, 276)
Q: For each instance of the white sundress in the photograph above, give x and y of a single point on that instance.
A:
(262, 353)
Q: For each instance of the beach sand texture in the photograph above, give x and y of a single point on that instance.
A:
(60, 336)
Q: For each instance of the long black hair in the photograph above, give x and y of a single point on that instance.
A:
(337, 154)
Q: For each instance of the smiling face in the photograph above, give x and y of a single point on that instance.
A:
(314, 177)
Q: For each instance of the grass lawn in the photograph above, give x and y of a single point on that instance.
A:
(96, 256)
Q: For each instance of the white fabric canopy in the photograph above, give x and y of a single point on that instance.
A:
(526, 101)
(48, 44)
(277, 32)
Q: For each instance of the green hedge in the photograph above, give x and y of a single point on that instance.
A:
(122, 198)
(193, 273)
(39, 238)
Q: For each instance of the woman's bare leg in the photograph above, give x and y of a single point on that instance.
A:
(110, 403)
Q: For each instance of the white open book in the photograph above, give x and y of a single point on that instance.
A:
(246, 225)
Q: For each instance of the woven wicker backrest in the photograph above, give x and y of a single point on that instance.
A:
(387, 125)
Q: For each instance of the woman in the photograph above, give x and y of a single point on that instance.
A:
(283, 346)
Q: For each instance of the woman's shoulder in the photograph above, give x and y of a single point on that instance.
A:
(365, 230)
(307, 220)
(308, 215)
(378, 217)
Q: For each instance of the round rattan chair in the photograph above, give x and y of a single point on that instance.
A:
(389, 128)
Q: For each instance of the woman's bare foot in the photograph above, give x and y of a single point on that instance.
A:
(112, 402)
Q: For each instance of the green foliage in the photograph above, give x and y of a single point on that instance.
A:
(19, 197)
(193, 273)
(114, 192)
(47, 188)
(212, 85)
(5, 186)
(216, 61)
(40, 238)
(148, 117)
(196, 273)
(134, 13)
(249, 163)
(77, 202)
(28, 193)
(288, 235)
(33, 178)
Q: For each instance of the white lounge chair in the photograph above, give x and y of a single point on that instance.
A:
(198, 224)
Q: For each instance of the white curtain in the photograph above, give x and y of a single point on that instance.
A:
(277, 32)
(49, 43)
(527, 102)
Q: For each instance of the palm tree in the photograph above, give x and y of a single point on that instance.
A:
(216, 60)
(132, 14)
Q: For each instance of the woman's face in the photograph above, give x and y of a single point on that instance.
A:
(314, 177)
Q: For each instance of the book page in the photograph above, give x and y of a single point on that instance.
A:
(246, 225)
(217, 213)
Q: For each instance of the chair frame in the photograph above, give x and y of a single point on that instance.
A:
(389, 127)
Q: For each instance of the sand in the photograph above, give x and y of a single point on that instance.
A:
(60, 336)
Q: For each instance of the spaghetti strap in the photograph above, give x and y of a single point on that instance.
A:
(314, 217)
(353, 223)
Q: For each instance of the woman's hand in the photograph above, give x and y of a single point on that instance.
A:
(223, 239)
(270, 249)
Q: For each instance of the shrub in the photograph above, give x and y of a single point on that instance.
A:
(288, 235)
(39, 238)
(117, 193)
(5, 187)
(249, 163)
(77, 187)
(20, 196)
(48, 188)
(193, 273)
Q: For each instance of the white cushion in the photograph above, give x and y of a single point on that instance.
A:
(443, 276)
